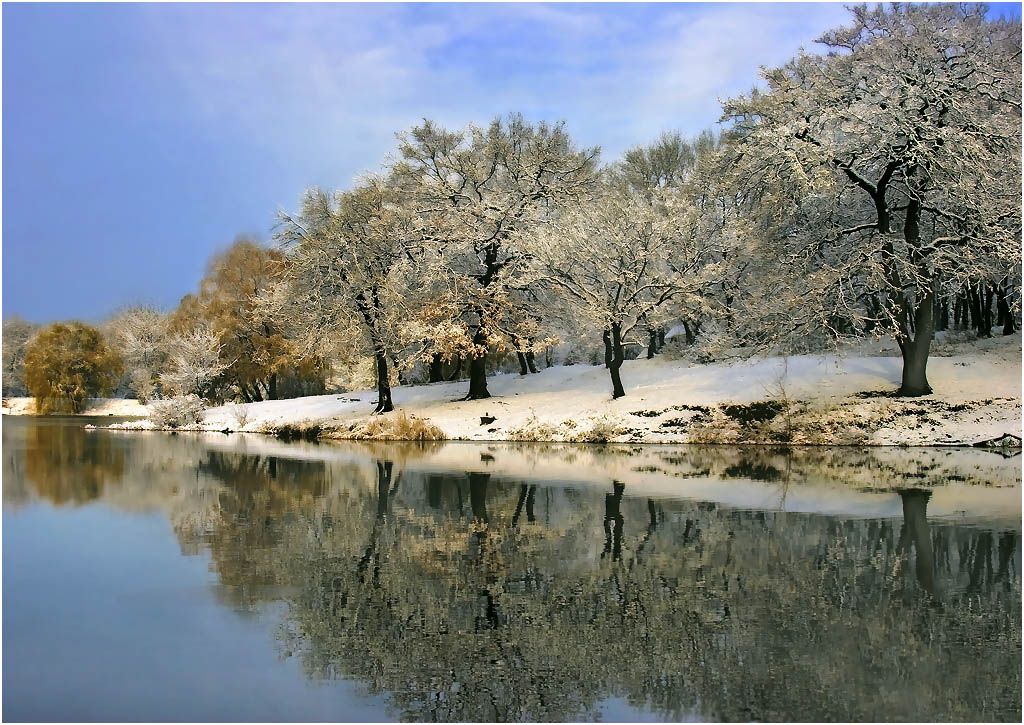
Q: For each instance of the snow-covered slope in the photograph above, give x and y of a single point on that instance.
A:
(827, 399)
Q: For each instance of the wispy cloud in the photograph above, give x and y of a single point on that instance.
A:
(334, 83)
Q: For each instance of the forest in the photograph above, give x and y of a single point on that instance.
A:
(869, 188)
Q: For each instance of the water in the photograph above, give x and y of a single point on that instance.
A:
(158, 577)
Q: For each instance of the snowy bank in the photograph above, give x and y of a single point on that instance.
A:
(817, 399)
(121, 407)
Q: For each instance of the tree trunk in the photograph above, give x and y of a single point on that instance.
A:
(987, 310)
(914, 346)
(478, 367)
(457, 371)
(915, 522)
(652, 344)
(606, 336)
(523, 370)
(1006, 315)
(272, 390)
(661, 339)
(531, 361)
(384, 404)
(613, 521)
(616, 360)
(434, 369)
(478, 495)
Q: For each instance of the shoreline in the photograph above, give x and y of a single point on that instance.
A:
(844, 399)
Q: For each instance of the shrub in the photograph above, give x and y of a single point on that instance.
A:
(66, 363)
(177, 412)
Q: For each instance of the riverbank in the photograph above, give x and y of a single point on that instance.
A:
(837, 399)
(116, 407)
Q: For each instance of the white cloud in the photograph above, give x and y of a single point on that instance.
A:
(330, 85)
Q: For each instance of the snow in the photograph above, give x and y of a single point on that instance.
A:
(121, 407)
(978, 393)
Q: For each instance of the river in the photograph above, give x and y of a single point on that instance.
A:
(157, 577)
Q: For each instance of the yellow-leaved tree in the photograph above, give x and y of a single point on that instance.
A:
(66, 363)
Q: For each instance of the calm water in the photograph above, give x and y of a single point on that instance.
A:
(157, 577)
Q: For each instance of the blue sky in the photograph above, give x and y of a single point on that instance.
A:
(139, 139)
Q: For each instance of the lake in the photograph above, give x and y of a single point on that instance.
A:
(157, 577)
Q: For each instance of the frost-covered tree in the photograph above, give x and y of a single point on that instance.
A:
(473, 190)
(885, 174)
(619, 259)
(139, 334)
(16, 334)
(195, 363)
(343, 277)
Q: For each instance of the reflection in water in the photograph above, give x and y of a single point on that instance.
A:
(472, 595)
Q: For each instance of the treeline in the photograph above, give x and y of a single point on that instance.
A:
(873, 189)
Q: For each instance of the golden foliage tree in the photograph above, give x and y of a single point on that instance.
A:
(66, 363)
(260, 361)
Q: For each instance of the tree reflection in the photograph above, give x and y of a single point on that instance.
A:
(477, 614)
(469, 595)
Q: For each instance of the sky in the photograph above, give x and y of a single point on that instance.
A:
(140, 139)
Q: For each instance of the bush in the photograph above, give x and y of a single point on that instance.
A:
(66, 364)
(177, 412)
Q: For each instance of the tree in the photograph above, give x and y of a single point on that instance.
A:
(66, 363)
(255, 353)
(887, 170)
(473, 190)
(341, 279)
(16, 334)
(140, 336)
(618, 260)
(195, 364)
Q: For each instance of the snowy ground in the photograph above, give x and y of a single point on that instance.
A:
(820, 399)
(96, 406)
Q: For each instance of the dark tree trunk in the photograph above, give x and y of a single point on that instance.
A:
(617, 357)
(941, 315)
(531, 361)
(915, 345)
(915, 352)
(478, 495)
(978, 313)
(384, 404)
(987, 309)
(1005, 315)
(661, 339)
(478, 364)
(613, 521)
(272, 390)
(652, 344)
(915, 523)
(434, 369)
(606, 336)
(523, 370)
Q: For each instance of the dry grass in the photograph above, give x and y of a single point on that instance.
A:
(532, 430)
(391, 427)
(602, 430)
